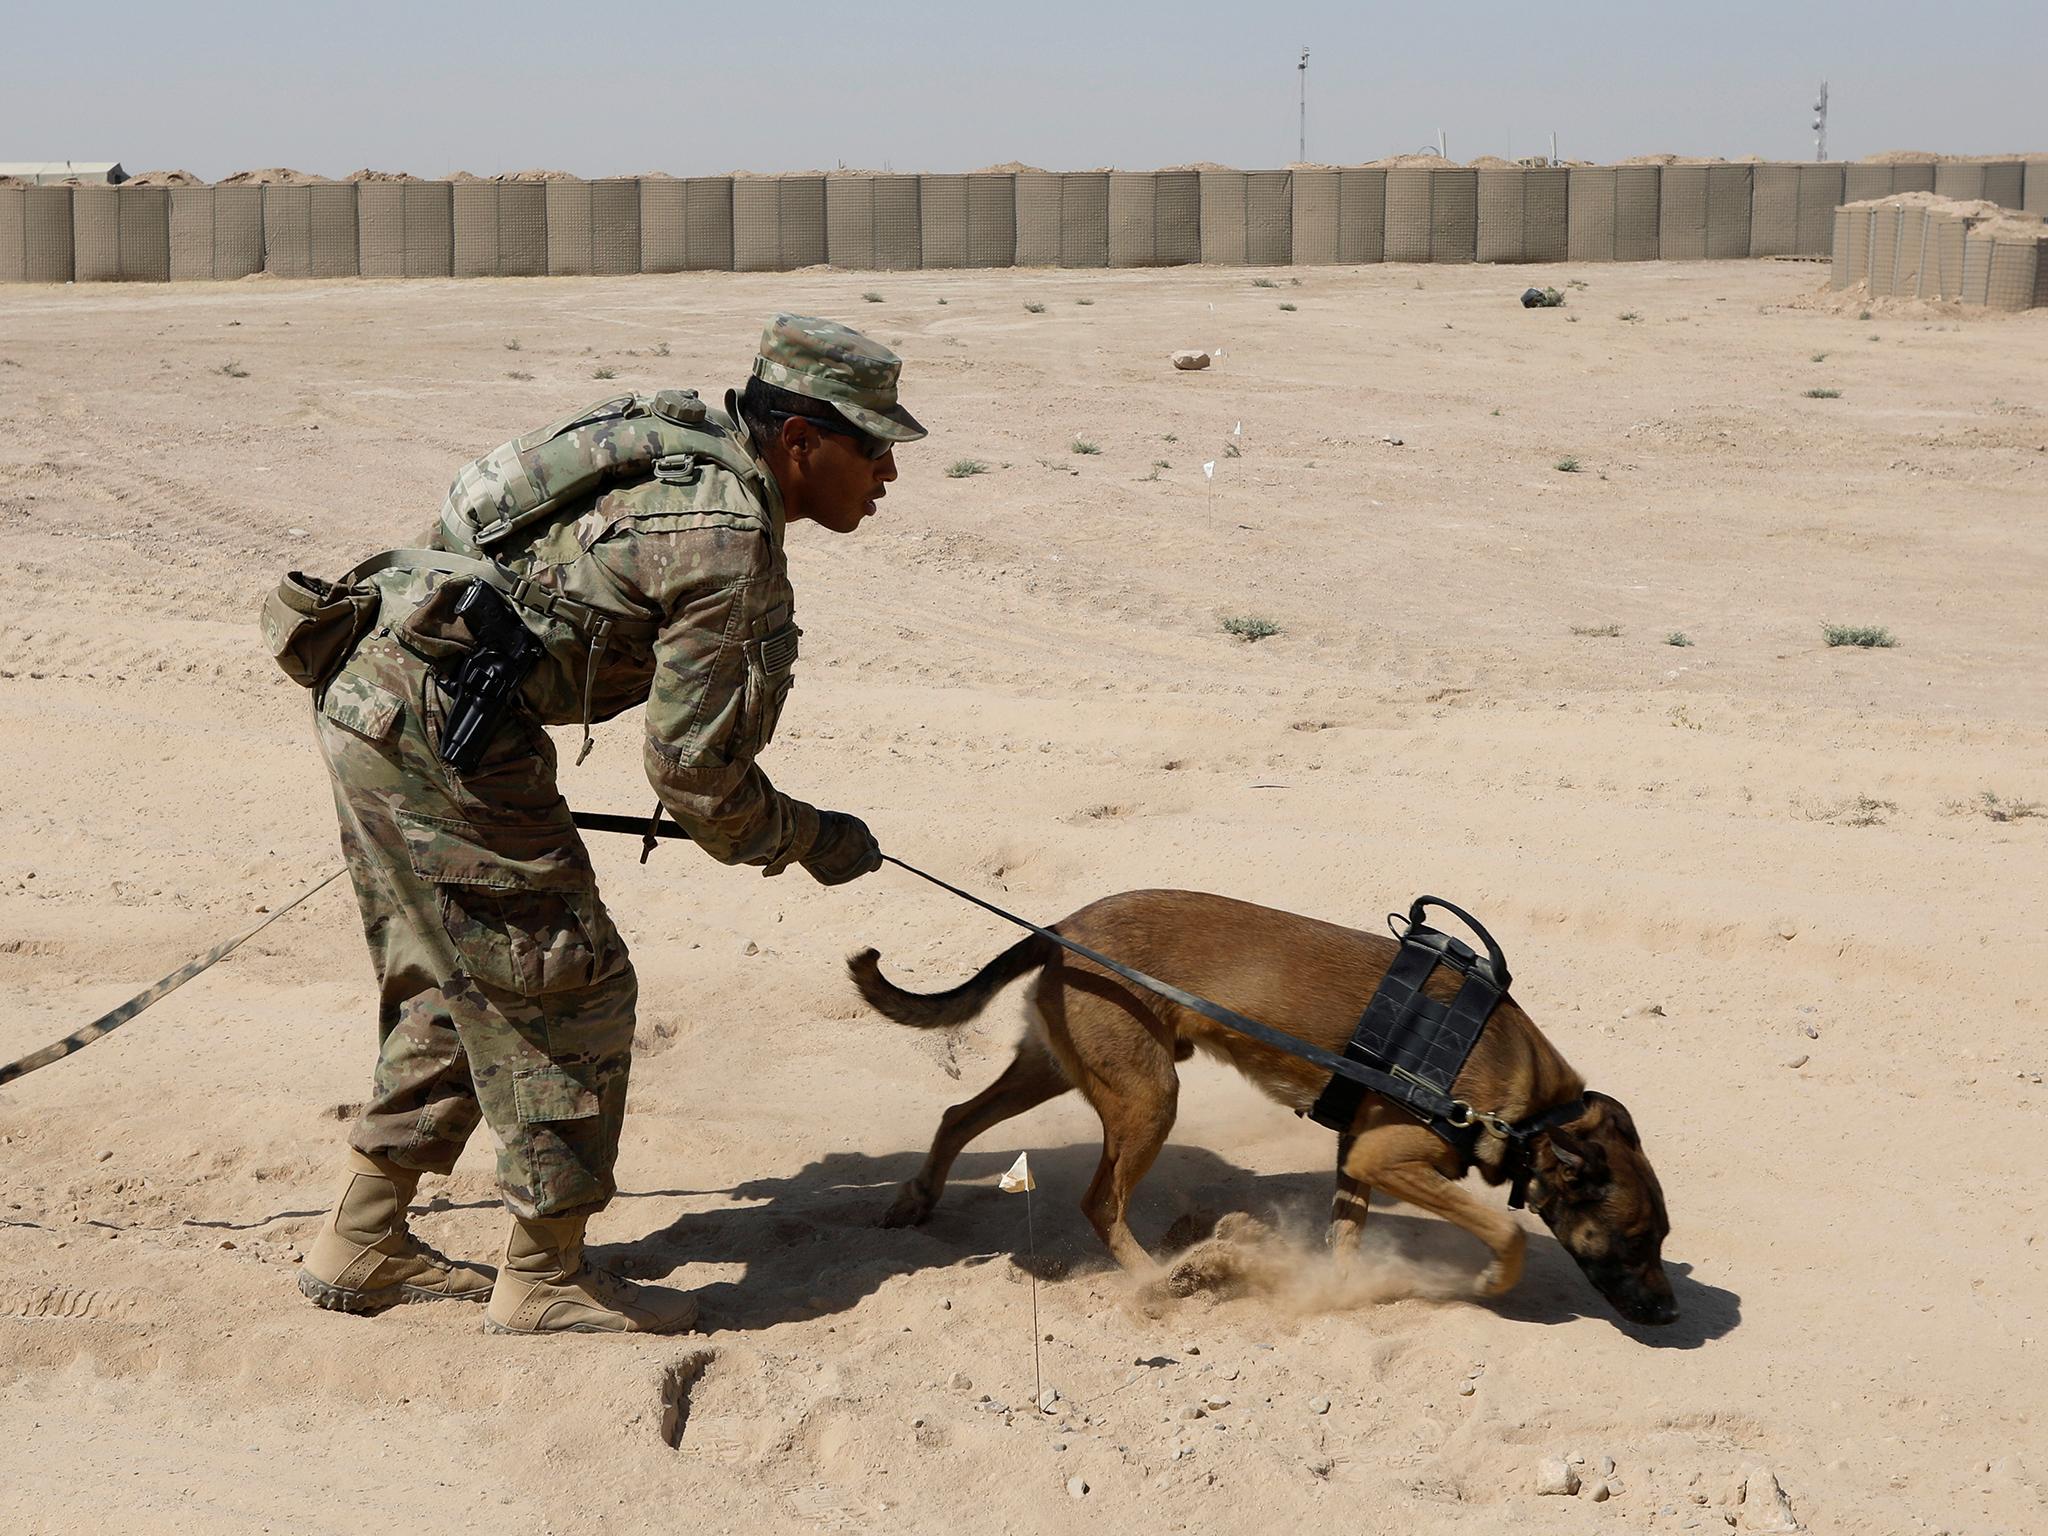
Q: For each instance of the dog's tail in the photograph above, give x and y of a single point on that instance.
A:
(939, 1010)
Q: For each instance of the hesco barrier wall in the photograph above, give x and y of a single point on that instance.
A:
(1522, 215)
(501, 229)
(1247, 218)
(1432, 215)
(216, 232)
(778, 223)
(1338, 215)
(1062, 218)
(35, 235)
(1412, 213)
(1703, 212)
(1863, 182)
(968, 221)
(1155, 218)
(1612, 213)
(1996, 181)
(593, 227)
(1939, 250)
(405, 229)
(686, 225)
(871, 223)
(1792, 209)
(121, 234)
(310, 231)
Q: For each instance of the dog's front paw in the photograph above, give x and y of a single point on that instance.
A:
(912, 1206)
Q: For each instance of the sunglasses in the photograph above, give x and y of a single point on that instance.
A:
(871, 446)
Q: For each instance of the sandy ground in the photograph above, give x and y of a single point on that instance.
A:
(1752, 886)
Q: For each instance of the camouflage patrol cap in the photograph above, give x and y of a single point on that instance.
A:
(833, 363)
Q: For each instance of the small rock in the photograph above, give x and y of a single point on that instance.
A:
(1319, 1405)
(751, 948)
(1188, 359)
(1047, 1398)
(1597, 1491)
(1651, 1011)
(1213, 1402)
(104, 1156)
(1556, 1476)
(960, 1381)
(1191, 1349)
(1607, 1466)
(1320, 1467)
(1810, 1030)
(1190, 1412)
(1797, 1061)
(1765, 1506)
(298, 533)
(1059, 1445)
(917, 1421)
(945, 1303)
(992, 1406)
(1077, 1487)
(1787, 932)
(1231, 1374)
(1467, 1388)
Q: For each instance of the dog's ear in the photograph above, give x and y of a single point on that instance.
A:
(1581, 1165)
(1618, 1116)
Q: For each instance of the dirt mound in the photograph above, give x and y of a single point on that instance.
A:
(272, 176)
(366, 174)
(1902, 157)
(535, 176)
(164, 179)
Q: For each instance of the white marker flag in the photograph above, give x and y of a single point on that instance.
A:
(1209, 469)
(1238, 430)
(1019, 1176)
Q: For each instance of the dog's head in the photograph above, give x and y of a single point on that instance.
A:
(1598, 1193)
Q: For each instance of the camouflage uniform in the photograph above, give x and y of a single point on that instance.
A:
(505, 991)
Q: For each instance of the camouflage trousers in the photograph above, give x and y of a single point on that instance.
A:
(504, 992)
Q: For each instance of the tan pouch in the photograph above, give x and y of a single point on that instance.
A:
(311, 625)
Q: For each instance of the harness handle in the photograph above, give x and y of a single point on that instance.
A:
(1494, 957)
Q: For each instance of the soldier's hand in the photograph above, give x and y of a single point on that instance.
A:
(845, 850)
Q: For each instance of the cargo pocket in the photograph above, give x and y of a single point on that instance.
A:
(541, 1094)
(359, 705)
(771, 668)
(519, 903)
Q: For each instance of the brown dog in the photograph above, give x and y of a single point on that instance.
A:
(1118, 1044)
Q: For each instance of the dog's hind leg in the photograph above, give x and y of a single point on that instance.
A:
(1031, 1078)
(1137, 1106)
(1401, 1161)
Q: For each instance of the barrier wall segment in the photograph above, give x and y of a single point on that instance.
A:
(1338, 215)
(871, 223)
(35, 235)
(2034, 187)
(1247, 218)
(1613, 213)
(686, 224)
(1062, 218)
(501, 229)
(216, 232)
(778, 223)
(405, 229)
(968, 221)
(1522, 215)
(310, 230)
(1432, 214)
(121, 234)
(1792, 209)
(593, 227)
(1994, 181)
(1155, 218)
(1704, 212)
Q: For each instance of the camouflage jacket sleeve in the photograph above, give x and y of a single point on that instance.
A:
(720, 673)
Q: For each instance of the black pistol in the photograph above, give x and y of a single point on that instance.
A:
(489, 677)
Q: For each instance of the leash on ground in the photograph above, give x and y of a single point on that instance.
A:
(107, 1023)
(654, 828)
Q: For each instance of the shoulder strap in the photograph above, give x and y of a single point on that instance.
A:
(592, 623)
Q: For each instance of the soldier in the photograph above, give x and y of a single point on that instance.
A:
(641, 545)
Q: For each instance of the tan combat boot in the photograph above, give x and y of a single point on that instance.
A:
(364, 1258)
(544, 1286)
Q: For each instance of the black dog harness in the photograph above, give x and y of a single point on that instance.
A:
(1416, 1046)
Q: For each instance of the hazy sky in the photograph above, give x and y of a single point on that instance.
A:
(436, 87)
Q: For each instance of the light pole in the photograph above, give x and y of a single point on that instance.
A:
(1820, 123)
(1301, 149)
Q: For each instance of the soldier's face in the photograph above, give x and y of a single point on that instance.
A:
(832, 481)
